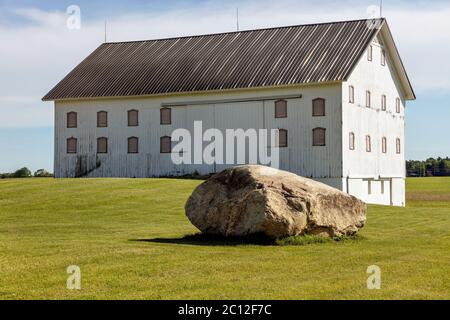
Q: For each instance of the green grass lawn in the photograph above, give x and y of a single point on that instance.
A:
(126, 236)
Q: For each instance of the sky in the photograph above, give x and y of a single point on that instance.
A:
(37, 50)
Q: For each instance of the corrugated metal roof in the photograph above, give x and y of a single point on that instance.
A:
(247, 59)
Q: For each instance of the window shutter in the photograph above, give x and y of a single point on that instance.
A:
(352, 141)
(133, 145)
(384, 145)
(319, 137)
(133, 118)
(383, 102)
(72, 120)
(318, 107)
(368, 144)
(282, 138)
(102, 145)
(281, 109)
(351, 94)
(166, 116)
(102, 119)
(165, 145)
(72, 145)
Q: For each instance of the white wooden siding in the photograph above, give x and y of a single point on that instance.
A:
(299, 157)
(359, 164)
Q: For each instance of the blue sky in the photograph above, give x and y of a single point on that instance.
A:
(38, 50)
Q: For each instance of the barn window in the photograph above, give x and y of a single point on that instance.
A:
(369, 187)
(383, 102)
(166, 116)
(368, 144)
(102, 119)
(133, 118)
(383, 57)
(397, 105)
(384, 145)
(382, 187)
(398, 146)
(368, 99)
(133, 145)
(72, 145)
(319, 107)
(351, 141)
(281, 109)
(166, 145)
(282, 138)
(370, 53)
(319, 137)
(102, 145)
(72, 120)
(351, 94)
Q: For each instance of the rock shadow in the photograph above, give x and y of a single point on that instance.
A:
(201, 239)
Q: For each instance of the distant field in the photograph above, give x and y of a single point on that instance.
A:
(126, 237)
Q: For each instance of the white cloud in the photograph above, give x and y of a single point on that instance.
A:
(51, 19)
(18, 99)
(25, 112)
(423, 38)
(35, 56)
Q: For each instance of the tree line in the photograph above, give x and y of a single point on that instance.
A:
(26, 173)
(431, 167)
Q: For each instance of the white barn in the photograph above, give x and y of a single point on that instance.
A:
(337, 92)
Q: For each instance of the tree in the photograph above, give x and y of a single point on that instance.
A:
(22, 173)
(42, 173)
(415, 168)
(439, 167)
(444, 167)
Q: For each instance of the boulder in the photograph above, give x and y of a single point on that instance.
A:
(252, 199)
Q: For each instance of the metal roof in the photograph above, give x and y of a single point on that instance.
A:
(281, 56)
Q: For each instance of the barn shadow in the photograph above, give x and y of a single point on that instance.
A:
(200, 239)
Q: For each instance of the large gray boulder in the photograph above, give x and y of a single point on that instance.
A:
(249, 200)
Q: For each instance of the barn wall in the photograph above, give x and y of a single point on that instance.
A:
(360, 166)
(300, 156)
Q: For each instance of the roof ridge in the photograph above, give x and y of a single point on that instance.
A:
(243, 31)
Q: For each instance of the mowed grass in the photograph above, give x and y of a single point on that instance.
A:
(127, 238)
